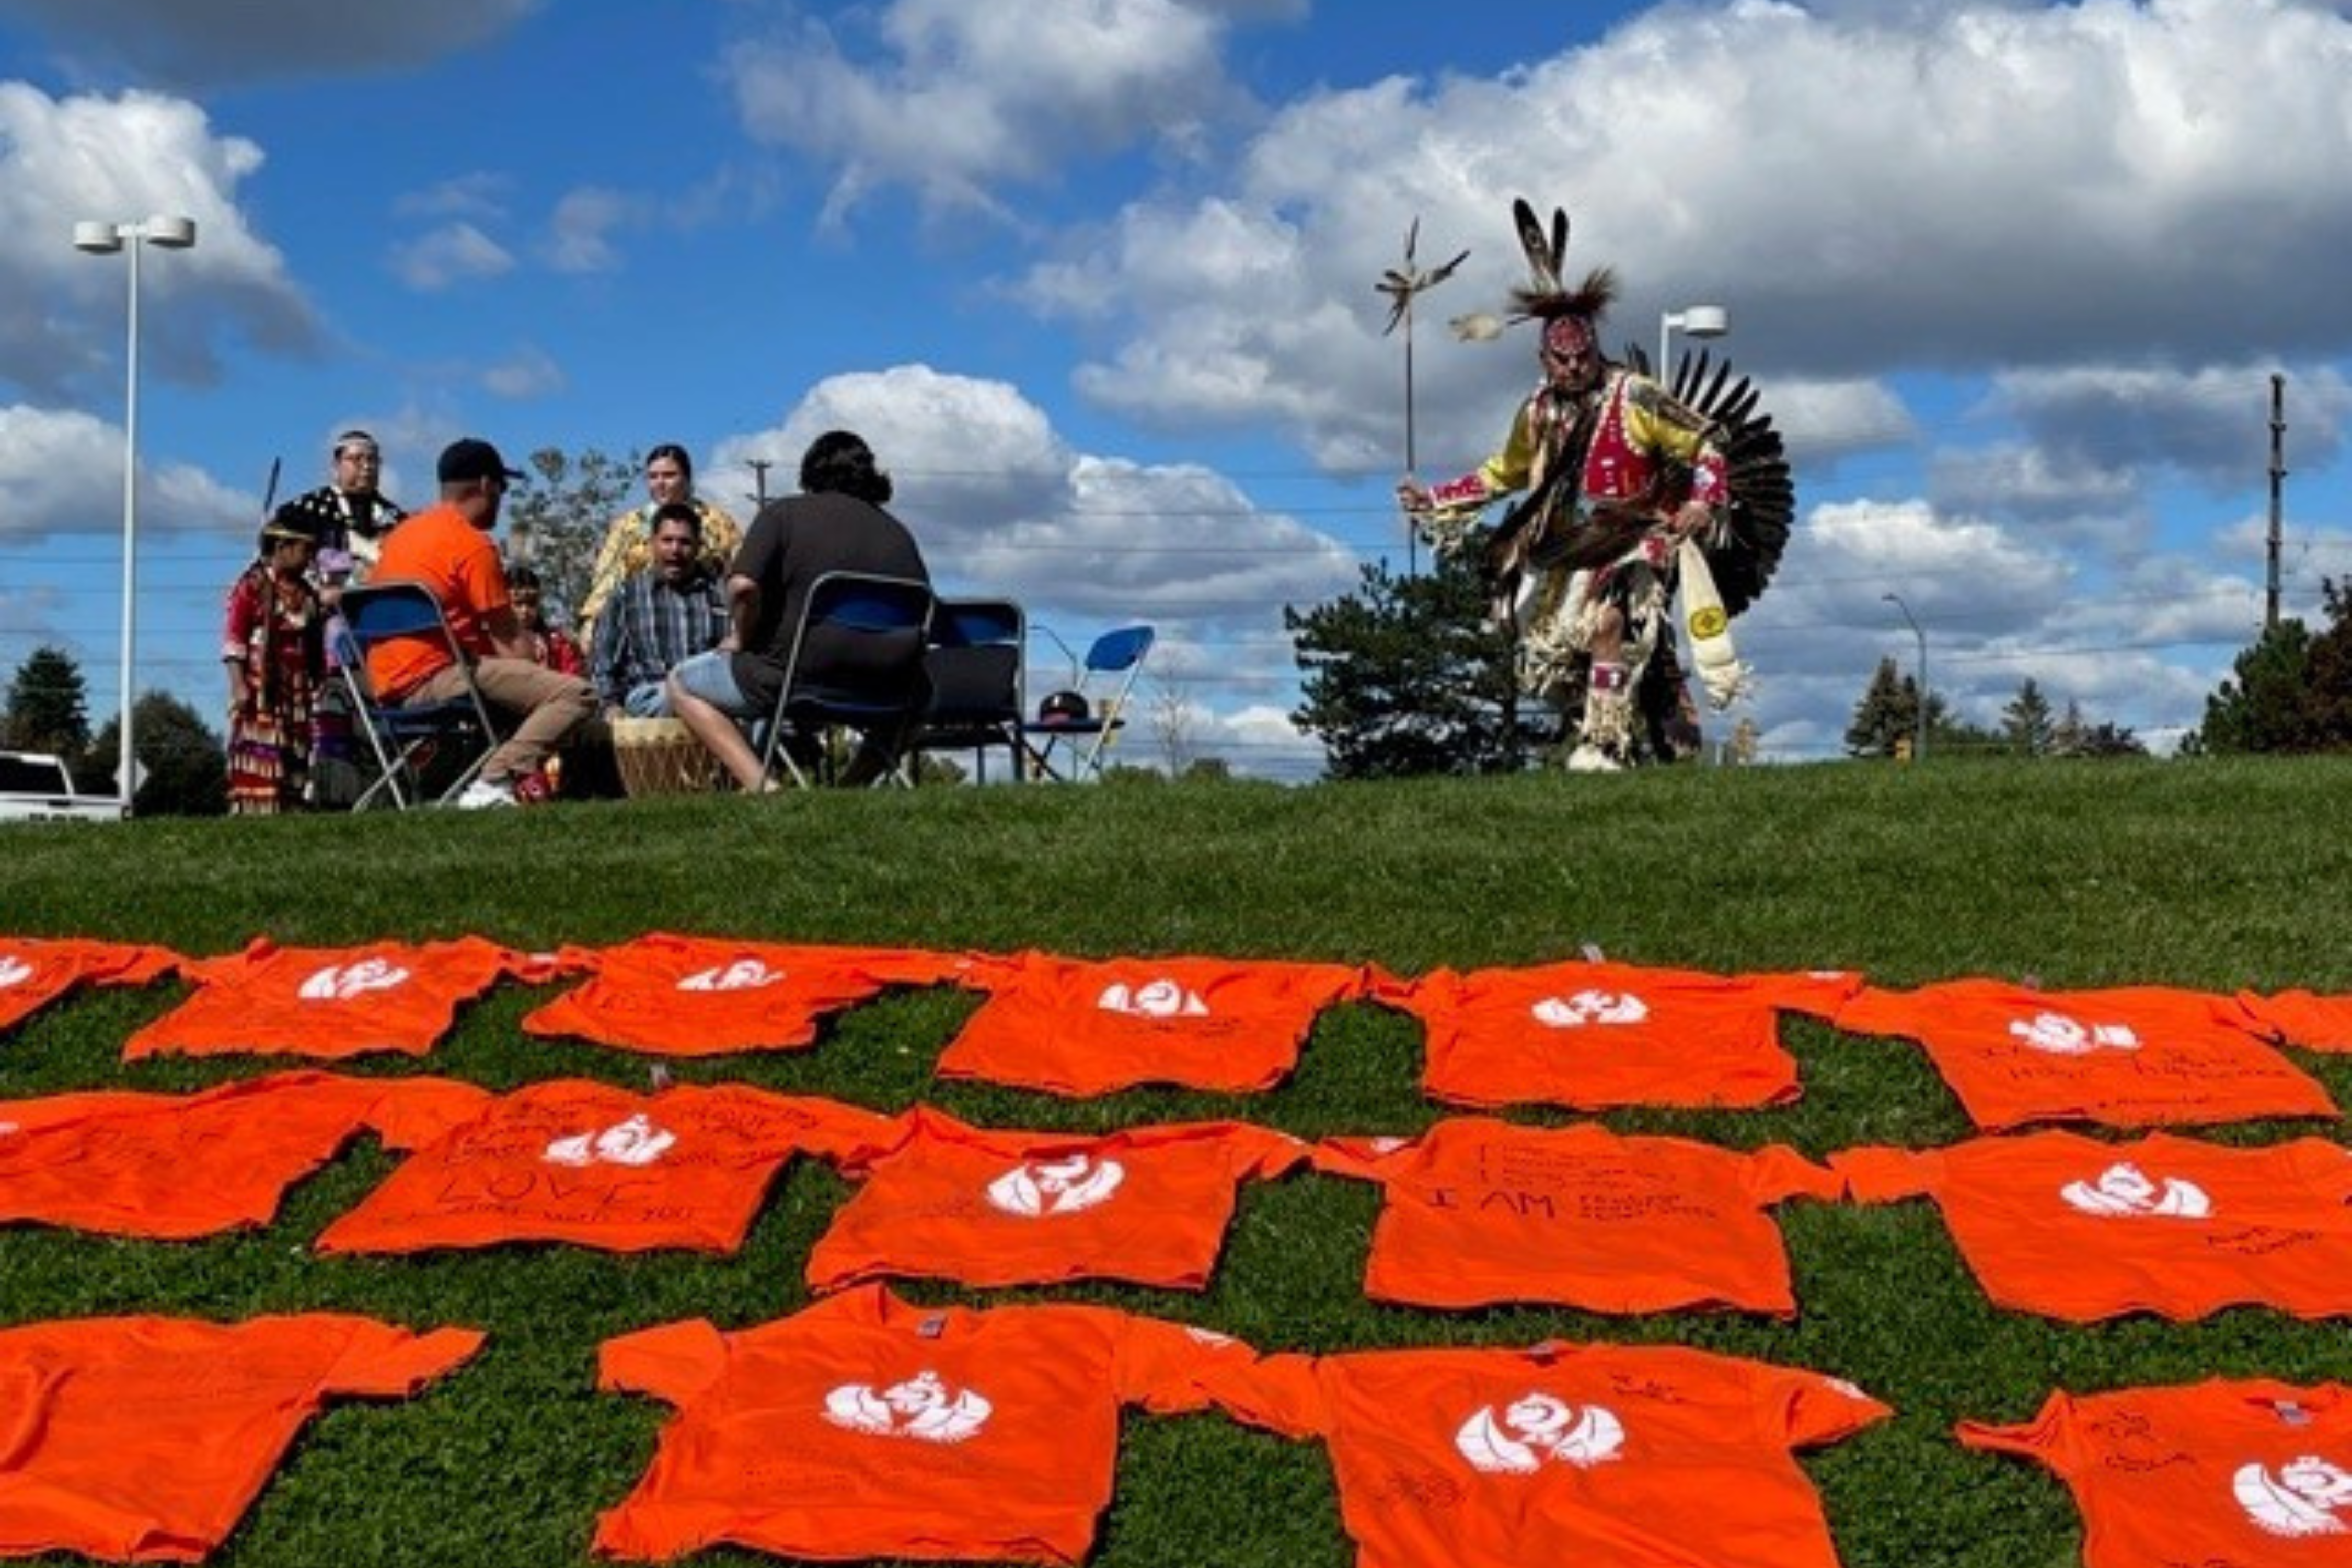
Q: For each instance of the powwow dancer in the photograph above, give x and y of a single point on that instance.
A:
(1629, 490)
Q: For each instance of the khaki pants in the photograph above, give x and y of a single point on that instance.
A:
(551, 706)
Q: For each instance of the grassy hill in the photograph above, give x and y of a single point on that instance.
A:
(2210, 875)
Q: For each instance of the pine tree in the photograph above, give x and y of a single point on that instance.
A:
(1887, 712)
(2026, 723)
(2263, 707)
(47, 706)
(2067, 735)
(1403, 675)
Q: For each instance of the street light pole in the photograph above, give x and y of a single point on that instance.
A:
(1698, 320)
(100, 238)
(1919, 731)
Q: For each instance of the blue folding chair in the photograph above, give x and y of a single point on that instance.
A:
(973, 672)
(406, 737)
(876, 626)
(1104, 678)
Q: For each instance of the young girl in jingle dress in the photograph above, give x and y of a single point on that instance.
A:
(275, 654)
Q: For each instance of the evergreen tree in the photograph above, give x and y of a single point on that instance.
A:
(187, 768)
(2026, 722)
(1888, 714)
(2263, 707)
(556, 522)
(2067, 736)
(47, 706)
(2110, 741)
(1403, 675)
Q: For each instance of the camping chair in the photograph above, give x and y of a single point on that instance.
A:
(405, 738)
(1104, 679)
(973, 676)
(870, 622)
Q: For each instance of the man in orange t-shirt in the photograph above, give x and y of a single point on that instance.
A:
(448, 548)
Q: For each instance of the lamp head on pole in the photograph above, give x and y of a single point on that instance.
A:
(1703, 320)
(179, 233)
(98, 238)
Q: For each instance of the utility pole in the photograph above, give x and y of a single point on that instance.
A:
(759, 466)
(2278, 496)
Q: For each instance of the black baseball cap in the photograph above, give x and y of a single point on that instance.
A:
(472, 458)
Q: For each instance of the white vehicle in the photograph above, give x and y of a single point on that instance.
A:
(36, 788)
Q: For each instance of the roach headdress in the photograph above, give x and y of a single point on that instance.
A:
(1544, 298)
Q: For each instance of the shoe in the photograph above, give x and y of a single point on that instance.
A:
(1589, 758)
(536, 787)
(485, 792)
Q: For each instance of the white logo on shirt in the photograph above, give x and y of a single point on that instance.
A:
(2063, 1037)
(1159, 999)
(8, 1127)
(636, 1141)
(921, 1408)
(14, 971)
(340, 983)
(1539, 1427)
(1590, 1007)
(2125, 1191)
(1042, 1188)
(743, 974)
(2300, 1499)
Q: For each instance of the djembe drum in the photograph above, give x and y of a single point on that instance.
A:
(661, 756)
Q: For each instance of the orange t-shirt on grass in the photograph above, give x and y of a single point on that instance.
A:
(597, 1166)
(144, 1440)
(2218, 1474)
(2135, 1056)
(1085, 1027)
(328, 1002)
(439, 548)
(1477, 1211)
(2313, 1020)
(34, 972)
(173, 1167)
(1566, 1454)
(865, 1427)
(988, 1208)
(691, 996)
(1594, 1035)
(2070, 1227)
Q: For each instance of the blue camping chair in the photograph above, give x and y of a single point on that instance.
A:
(973, 672)
(1067, 745)
(457, 735)
(863, 621)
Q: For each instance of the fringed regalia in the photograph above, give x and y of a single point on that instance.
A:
(276, 631)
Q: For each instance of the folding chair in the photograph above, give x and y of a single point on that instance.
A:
(972, 671)
(870, 623)
(1109, 667)
(404, 737)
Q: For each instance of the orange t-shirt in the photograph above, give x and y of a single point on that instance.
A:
(983, 1207)
(2216, 1474)
(1594, 1035)
(598, 1166)
(869, 1427)
(328, 1002)
(35, 973)
(1567, 1454)
(1082, 1027)
(693, 997)
(2305, 1018)
(174, 1166)
(1478, 1210)
(438, 547)
(2137, 1056)
(144, 1440)
(2070, 1227)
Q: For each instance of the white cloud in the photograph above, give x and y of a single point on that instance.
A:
(452, 254)
(953, 99)
(528, 372)
(255, 39)
(582, 225)
(119, 159)
(61, 473)
(478, 194)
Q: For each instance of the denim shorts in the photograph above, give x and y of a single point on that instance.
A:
(711, 677)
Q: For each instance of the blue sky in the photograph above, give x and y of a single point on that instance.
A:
(1095, 276)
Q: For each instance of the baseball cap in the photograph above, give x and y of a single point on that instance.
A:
(472, 458)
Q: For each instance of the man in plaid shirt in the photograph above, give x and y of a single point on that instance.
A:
(673, 609)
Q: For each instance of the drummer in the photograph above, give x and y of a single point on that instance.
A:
(657, 617)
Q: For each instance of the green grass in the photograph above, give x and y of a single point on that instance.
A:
(2210, 875)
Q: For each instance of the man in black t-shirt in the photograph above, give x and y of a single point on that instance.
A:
(836, 524)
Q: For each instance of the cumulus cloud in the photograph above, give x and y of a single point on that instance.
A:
(119, 159)
(192, 45)
(583, 226)
(954, 101)
(454, 253)
(53, 461)
(2212, 425)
